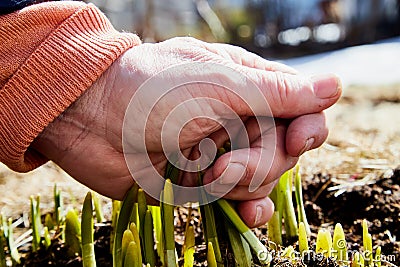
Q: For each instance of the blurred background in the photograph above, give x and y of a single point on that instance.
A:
(272, 28)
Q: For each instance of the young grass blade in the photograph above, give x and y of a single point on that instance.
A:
(135, 215)
(289, 253)
(46, 238)
(88, 256)
(189, 247)
(303, 239)
(302, 217)
(4, 225)
(367, 244)
(150, 257)
(122, 224)
(189, 216)
(261, 251)
(133, 256)
(368, 252)
(156, 213)
(58, 206)
(73, 233)
(324, 243)
(358, 260)
(340, 245)
(136, 238)
(168, 224)
(285, 195)
(275, 229)
(209, 225)
(240, 248)
(98, 208)
(142, 208)
(189, 243)
(116, 206)
(15, 257)
(3, 261)
(61, 226)
(275, 224)
(36, 223)
(210, 230)
(378, 256)
(211, 260)
(127, 238)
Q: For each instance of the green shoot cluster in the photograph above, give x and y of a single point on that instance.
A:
(144, 235)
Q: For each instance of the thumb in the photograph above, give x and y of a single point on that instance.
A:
(288, 95)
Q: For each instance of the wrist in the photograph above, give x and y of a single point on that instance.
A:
(72, 125)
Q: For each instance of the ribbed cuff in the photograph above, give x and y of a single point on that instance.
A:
(52, 78)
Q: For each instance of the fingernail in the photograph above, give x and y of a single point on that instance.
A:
(233, 173)
(307, 145)
(219, 189)
(258, 215)
(325, 86)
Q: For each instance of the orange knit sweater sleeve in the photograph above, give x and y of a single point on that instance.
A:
(50, 53)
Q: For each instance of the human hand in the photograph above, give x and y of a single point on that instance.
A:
(87, 139)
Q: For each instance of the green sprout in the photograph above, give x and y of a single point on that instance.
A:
(255, 244)
(209, 228)
(127, 238)
(211, 259)
(3, 261)
(324, 243)
(131, 235)
(73, 233)
(240, 248)
(135, 232)
(135, 214)
(88, 256)
(285, 189)
(167, 214)
(302, 217)
(36, 223)
(116, 206)
(289, 253)
(378, 256)
(358, 260)
(142, 208)
(132, 257)
(98, 208)
(303, 238)
(367, 244)
(58, 206)
(157, 224)
(275, 228)
(189, 247)
(46, 238)
(15, 257)
(150, 257)
(339, 245)
(122, 224)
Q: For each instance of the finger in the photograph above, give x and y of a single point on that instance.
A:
(241, 192)
(287, 95)
(261, 164)
(237, 55)
(256, 212)
(305, 133)
(243, 57)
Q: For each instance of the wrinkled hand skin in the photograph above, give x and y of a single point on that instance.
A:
(86, 140)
